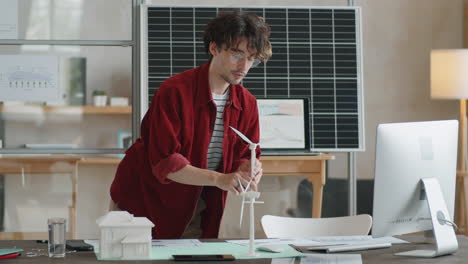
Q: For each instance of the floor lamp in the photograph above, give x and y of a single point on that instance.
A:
(449, 80)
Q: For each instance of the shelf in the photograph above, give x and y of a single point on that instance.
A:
(49, 164)
(87, 109)
(99, 161)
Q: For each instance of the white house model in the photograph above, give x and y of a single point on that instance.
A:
(124, 236)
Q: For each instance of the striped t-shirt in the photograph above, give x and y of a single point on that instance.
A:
(215, 155)
(215, 149)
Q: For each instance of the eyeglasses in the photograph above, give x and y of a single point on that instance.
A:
(238, 57)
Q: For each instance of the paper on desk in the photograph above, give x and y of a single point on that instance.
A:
(323, 241)
(331, 259)
(357, 240)
(160, 243)
(93, 242)
(210, 248)
(261, 242)
(7, 251)
(176, 243)
(283, 261)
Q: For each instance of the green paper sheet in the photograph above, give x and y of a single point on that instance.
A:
(6, 251)
(217, 248)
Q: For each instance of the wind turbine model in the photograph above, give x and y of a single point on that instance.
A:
(250, 195)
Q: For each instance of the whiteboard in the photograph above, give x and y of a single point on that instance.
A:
(29, 78)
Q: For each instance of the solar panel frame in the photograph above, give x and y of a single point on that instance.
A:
(330, 75)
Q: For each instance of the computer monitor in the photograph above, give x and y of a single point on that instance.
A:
(410, 159)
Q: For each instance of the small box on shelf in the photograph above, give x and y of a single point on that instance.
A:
(119, 101)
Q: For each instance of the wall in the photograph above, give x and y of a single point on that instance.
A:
(397, 38)
(465, 24)
(31, 198)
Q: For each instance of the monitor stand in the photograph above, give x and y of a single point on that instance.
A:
(442, 228)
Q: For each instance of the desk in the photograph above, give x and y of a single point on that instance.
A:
(46, 164)
(313, 167)
(384, 256)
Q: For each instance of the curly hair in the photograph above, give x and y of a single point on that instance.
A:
(229, 27)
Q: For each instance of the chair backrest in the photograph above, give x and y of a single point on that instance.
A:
(291, 227)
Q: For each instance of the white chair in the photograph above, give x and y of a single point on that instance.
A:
(291, 227)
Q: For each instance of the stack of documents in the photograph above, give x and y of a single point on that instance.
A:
(329, 244)
(332, 259)
(334, 244)
(322, 259)
(335, 248)
(176, 243)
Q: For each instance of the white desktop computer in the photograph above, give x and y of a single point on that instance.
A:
(414, 189)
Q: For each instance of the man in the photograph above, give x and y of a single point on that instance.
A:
(187, 158)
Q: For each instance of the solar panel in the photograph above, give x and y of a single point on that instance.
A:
(316, 54)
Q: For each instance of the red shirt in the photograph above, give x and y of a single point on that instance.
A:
(175, 132)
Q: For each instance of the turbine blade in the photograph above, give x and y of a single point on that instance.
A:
(248, 184)
(242, 136)
(240, 185)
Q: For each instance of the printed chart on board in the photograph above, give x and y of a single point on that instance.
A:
(29, 78)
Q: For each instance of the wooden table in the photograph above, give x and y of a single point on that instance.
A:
(313, 167)
(23, 165)
(49, 164)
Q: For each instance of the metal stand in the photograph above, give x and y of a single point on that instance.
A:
(352, 179)
(251, 196)
(352, 184)
(442, 227)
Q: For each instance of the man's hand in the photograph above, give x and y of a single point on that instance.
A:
(230, 182)
(244, 169)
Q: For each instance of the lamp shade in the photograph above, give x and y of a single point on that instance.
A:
(449, 74)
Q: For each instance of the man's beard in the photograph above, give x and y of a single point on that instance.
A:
(232, 81)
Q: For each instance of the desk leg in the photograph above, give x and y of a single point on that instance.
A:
(465, 197)
(318, 181)
(317, 200)
(461, 203)
(72, 209)
(459, 216)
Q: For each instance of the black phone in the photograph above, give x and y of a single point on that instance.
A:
(203, 257)
(79, 245)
